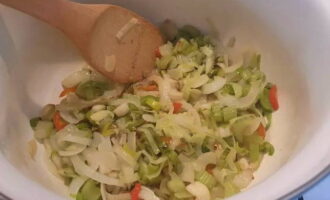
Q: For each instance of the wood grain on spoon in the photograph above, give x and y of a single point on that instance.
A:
(115, 41)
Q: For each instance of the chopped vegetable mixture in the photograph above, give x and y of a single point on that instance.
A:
(195, 129)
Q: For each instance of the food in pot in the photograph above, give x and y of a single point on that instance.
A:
(194, 129)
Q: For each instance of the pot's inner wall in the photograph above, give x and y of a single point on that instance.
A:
(38, 57)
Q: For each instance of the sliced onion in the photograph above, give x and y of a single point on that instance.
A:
(166, 87)
(224, 132)
(148, 118)
(107, 196)
(243, 163)
(199, 81)
(102, 157)
(75, 78)
(214, 86)
(188, 173)
(100, 115)
(131, 141)
(105, 144)
(232, 68)
(103, 192)
(72, 102)
(70, 129)
(127, 175)
(97, 139)
(90, 155)
(199, 190)
(75, 139)
(262, 118)
(122, 139)
(188, 121)
(115, 92)
(51, 167)
(187, 106)
(83, 169)
(118, 102)
(243, 179)
(205, 159)
(166, 49)
(243, 102)
(121, 110)
(209, 61)
(98, 107)
(175, 95)
(76, 184)
(69, 117)
(152, 160)
(147, 194)
(72, 150)
(124, 156)
(221, 175)
(245, 124)
(121, 196)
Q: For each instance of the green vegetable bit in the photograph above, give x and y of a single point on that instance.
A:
(264, 100)
(90, 191)
(83, 126)
(176, 184)
(149, 173)
(48, 112)
(229, 113)
(206, 178)
(230, 189)
(216, 113)
(268, 148)
(151, 101)
(151, 141)
(34, 121)
(106, 129)
(43, 130)
(255, 61)
(225, 114)
(90, 90)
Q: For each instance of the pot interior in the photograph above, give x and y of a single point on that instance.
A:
(36, 57)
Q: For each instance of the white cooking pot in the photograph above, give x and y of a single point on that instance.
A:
(293, 37)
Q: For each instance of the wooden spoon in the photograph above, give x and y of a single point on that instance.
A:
(115, 41)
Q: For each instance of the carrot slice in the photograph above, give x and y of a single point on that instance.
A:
(166, 140)
(177, 107)
(261, 131)
(59, 123)
(148, 87)
(66, 91)
(273, 97)
(136, 191)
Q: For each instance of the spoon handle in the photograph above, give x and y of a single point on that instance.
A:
(48, 11)
(73, 19)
